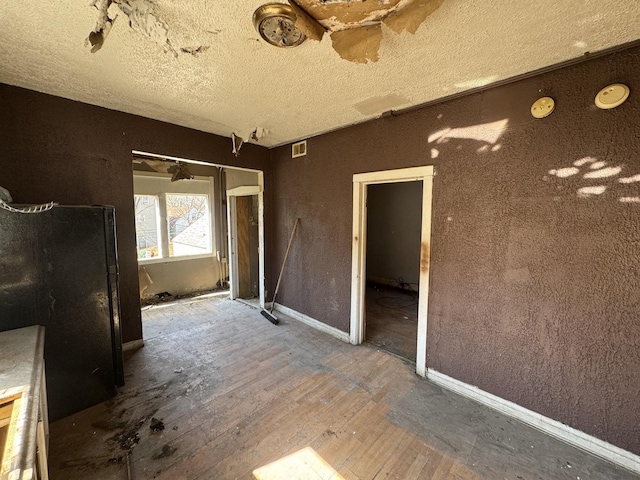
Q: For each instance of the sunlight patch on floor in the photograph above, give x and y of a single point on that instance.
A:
(304, 464)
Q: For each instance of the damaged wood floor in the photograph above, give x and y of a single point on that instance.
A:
(227, 392)
(392, 320)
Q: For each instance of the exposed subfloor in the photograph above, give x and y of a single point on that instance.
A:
(235, 392)
(392, 319)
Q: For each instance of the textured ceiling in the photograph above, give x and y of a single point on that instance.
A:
(239, 82)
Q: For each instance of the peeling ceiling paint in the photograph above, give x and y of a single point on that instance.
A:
(340, 14)
(356, 25)
(224, 79)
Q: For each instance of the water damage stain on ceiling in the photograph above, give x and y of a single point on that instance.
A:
(355, 26)
(202, 65)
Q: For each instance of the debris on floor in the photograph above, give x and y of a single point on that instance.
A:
(165, 297)
(166, 451)
(258, 394)
(156, 425)
(127, 440)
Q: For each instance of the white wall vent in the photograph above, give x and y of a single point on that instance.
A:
(299, 149)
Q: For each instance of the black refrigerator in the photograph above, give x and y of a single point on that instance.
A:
(59, 269)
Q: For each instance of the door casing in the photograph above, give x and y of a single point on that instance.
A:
(232, 194)
(359, 250)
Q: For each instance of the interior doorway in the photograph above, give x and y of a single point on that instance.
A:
(181, 257)
(247, 246)
(176, 205)
(358, 330)
(394, 221)
(245, 209)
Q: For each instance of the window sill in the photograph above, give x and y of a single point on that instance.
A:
(150, 261)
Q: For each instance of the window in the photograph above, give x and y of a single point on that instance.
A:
(173, 219)
(188, 224)
(147, 223)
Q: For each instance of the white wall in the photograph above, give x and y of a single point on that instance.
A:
(240, 178)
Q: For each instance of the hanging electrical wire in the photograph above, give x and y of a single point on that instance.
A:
(399, 296)
(397, 302)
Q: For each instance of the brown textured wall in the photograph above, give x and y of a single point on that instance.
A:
(53, 149)
(534, 291)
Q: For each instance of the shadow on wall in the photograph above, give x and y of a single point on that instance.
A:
(593, 178)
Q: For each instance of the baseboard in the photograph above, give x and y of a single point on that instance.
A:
(563, 432)
(132, 345)
(312, 322)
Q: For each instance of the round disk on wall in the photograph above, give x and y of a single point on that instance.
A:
(543, 107)
(612, 96)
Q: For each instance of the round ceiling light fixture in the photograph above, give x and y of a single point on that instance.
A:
(276, 24)
(612, 96)
(543, 107)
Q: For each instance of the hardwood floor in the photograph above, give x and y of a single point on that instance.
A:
(392, 319)
(235, 393)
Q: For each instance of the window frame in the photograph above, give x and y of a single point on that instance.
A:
(207, 213)
(163, 220)
(159, 238)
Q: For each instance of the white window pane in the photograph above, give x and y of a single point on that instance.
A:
(147, 224)
(189, 224)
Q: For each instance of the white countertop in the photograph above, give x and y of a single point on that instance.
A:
(21, 368)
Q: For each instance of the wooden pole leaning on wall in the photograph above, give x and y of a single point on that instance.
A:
(269, 314)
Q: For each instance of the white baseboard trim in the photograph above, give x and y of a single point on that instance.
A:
(312, 322)
(554, 428)
(133, 345)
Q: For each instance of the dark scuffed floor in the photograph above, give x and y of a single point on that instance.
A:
(392, 319)
(234, 392)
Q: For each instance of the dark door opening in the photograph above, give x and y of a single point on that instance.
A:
(394, 222)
